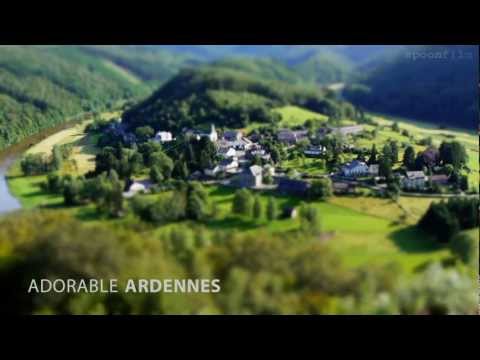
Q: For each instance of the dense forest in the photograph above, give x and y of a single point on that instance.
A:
(225, 97)
(42, 86)
(433, 83)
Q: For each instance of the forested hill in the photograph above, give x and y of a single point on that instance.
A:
(433, 83)
(225, 97)
(40, 86)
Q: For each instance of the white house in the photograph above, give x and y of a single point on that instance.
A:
(163, 136)
(212, 135)
(137, 187)
(227, 152)
(213, 171)
(355, 168)
(229, 164)
(415, 180)
(315, 151)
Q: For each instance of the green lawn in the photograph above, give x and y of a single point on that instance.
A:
(27, 189)
(294, 116)
(310, 166)
(360, 238)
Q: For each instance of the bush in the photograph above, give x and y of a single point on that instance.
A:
(243, 202)
(465, 247)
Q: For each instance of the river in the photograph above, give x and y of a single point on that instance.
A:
(8, 156)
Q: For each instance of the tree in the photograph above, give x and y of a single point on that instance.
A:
(310, 219)
(409, 158)
(272, 210)
(156, 175)
(394, 151)
(197, 201)
(180, 170)
(440, 222)
(321, 189)
(144, 133)
(163, 162)
(72, 191)
(465, 247)
(373, 155)
(34, 164)
(387, 152)
(385, 167)
(395, 127)
(453, 153)
(243, 202)
(257, 208)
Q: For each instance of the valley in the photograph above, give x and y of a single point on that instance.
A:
(265, 167)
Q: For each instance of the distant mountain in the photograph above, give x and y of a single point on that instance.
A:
(434, 83)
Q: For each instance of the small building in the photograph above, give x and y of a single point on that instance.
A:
(440, 179)
(212, 135)
(355, 168)
(163, 136)
(414, 180)
(373, 169)
(233, 135)
(137, 187)
(227, 152)
(291, 137)
(293, 187)
(315, 151)
(213, 171)
(250, 178)
(229, 164)
(343, 188)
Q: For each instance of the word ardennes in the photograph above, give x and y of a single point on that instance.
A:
(73, 286)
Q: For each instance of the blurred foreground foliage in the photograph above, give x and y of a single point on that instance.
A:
(261, 274)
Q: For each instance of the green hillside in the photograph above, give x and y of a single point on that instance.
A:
(433, 83)
(41, 86)
(225, 97)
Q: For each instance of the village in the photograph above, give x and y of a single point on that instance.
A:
(244, 163)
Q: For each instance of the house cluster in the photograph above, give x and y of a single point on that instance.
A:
(412, 180)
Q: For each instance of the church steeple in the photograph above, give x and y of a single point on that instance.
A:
(213, 133)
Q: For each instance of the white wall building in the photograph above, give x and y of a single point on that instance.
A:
(355, 168)
(163, 136)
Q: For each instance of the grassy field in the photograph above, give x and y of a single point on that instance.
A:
(27, 188)
(294, 116)
(363, 229)
(305, 165)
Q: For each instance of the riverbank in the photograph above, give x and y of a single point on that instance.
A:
(18, 191)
